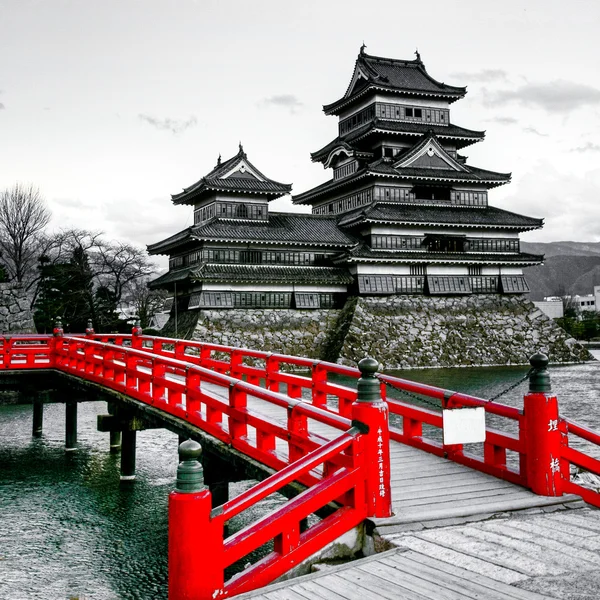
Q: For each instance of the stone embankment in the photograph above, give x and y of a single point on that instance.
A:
(400, 331)
(295, 332)
(15, 311)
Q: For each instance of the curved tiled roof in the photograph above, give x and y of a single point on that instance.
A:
(378, 126)
(242, 182)
(272, 274)
(364, 253)
(171, 242)
(460, 216)
(454, 132)
(288, 228)
(400, 76)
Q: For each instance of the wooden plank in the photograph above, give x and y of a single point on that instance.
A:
(502, 556)
(425, 588)
(442, 553)
(577, 559)
(337, 584)
(432, 489)
(472, 493)
(439, 569)
(376, 586)
(313, 589)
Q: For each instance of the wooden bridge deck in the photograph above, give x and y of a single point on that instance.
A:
(425, 487)
(394, 575)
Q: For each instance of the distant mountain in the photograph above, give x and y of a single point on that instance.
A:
(569, 268)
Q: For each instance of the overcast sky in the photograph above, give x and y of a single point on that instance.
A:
(111, 106)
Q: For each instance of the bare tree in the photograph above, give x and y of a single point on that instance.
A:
(145, 301)
(23, 215)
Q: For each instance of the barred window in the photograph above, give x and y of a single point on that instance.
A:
(448, 284)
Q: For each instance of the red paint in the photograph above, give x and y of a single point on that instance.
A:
(143, 367)
(542, 444)
(377, 456)
(195, 548)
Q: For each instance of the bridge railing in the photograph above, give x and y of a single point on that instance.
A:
(310, 379)
(571, 456)
(342, 475)
(503, 454)
(294, 539)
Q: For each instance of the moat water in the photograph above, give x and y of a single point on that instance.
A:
(70, 530)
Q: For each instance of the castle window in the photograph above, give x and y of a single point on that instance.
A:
(242, 211)
(418, 113)
(409, 112)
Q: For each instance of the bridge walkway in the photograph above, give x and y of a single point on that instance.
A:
(519, 555)
(425, 487)
(393, 575)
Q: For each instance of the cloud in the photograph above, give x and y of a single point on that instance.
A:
(2, 107)
(484, 76)
(69, 202)
(288, 101)
(534, 131)
(503, 120)
(564, 199)
(558, 96)
(173, 125)
(587, 147)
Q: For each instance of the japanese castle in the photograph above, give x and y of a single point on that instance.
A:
(402, 214)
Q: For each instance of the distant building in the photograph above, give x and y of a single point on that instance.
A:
(403, 213)
(551, 308)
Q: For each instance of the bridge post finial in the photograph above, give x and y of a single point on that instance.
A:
(195, 537)
(542, 432)
(58, 328)
(190, 475)
(539, 380)
(370, 416)
(89, 330)
(136, 334)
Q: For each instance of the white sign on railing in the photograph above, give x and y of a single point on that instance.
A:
(464, 425)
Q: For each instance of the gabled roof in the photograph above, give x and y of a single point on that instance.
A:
(446, 169)
(236, 175)
(429, 154)
(406, 77)
(281, 228)
(458, 216)
(464, 137)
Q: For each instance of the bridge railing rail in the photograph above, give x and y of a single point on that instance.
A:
(503, 454)
(310, 379)
(338, 474)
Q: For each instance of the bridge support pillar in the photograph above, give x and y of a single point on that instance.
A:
(70, 425)
(128, 455)
(543, 437)
(195, 539)
(38, 417)
(115, 441)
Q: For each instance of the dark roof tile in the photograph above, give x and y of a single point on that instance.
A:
(439, 215)
(308, 230)
(272, 274)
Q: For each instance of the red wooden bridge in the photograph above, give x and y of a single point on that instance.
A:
(354, 454)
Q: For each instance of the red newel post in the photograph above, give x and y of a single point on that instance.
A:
(195, 542)
(542, 433)
(371, 411)
(89, 330)
(57, 333)
(136, 335)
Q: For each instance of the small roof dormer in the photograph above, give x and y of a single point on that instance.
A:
(234, 176)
